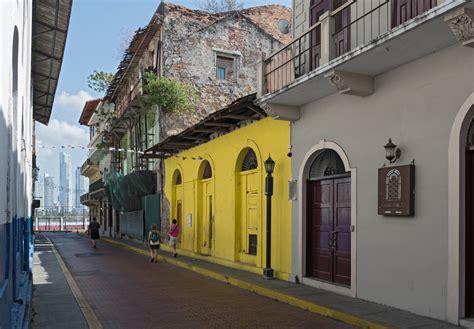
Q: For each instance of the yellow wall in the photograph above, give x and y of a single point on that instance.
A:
(225, 153)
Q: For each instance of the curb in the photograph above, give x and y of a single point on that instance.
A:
(266, 292)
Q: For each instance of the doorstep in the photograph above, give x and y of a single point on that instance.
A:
(354, 311)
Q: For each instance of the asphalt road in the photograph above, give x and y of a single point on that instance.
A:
(125, 290)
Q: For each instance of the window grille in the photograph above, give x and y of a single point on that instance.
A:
(253, 244)
(250, 161)
(327, 163)
(178, 179)
(207, 171)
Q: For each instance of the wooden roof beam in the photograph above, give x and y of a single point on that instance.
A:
(220, 124)
(195, 138)
(238, 117)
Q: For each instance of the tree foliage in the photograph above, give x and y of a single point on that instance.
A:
(172, 95)
(99, 80)
(219, 6)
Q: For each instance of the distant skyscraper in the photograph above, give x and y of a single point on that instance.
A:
(66, 198)
(79, 187)
(48, 191)
(39, 190)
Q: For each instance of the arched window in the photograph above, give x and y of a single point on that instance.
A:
(470, 135)
(327, 163)
(207, 173)
(250, 161)
(178, 180)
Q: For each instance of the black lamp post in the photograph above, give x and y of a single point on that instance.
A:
(269, 166)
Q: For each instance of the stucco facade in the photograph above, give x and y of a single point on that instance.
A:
(230, 189)
(401, 262)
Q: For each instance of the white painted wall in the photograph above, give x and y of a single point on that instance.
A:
(401, 262)
(15, 112)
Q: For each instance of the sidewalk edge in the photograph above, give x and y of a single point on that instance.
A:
(85, 307)
(266, 292)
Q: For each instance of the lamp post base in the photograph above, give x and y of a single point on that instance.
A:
(268, 274)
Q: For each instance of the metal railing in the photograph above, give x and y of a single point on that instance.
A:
(366, 22)
(60, 219)
(347, 27)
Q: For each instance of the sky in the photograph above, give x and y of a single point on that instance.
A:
(97, 36)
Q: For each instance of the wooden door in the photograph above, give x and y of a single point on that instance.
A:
(316, 9)
(179, 219)
(342, 28)
(341, 38)
(319, 260)
(469, 201)
(250, 219)
(328, 238)
(404, 10)
(342, 227)
(204, 225)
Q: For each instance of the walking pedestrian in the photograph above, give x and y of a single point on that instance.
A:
(154, 242)
(174, 233)
(93, 231)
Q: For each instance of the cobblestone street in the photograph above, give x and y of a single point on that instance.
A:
(125, 290)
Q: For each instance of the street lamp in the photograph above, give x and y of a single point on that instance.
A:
(269, 166)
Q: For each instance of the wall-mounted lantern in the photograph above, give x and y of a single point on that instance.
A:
(392, 152)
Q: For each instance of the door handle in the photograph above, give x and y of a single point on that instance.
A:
(333, 240)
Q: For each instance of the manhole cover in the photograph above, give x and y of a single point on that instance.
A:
(88, 254)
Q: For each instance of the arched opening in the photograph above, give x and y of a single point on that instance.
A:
(328, 220)
(460, 215)
(177, 199)
(469, 223)
(205, 222)
(249, 207)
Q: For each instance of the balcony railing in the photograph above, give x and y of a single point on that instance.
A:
(96, 185)
(336, 32)
(129, 98)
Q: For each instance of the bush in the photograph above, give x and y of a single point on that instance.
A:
(172, 95)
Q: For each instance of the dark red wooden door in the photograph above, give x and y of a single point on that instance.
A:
(342, 227)
(316, 9)
(469, 233)
(319, 260)
(404, 10)
(341, 38)
(328, 240)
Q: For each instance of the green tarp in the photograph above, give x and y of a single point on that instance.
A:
(126, 191)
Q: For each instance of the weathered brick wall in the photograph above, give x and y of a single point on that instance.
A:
(191, 42)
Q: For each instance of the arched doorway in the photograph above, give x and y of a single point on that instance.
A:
(328, 219)
(177, 208)
(469, 223)
(249, 207)
(205, 225)
(460, 215)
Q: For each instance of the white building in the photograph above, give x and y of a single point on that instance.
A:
(49, 191)
(363, 225)
(30, 61)
(79, 188)
(66, 191)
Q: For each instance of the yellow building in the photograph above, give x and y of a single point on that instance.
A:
(215, 186)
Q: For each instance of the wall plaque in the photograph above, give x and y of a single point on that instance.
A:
(396, 191)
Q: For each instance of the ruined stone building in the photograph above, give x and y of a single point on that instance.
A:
(216, 53)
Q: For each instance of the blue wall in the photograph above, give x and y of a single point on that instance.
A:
(15, 261)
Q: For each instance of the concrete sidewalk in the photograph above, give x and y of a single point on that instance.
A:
(54, 304)
(346, 309)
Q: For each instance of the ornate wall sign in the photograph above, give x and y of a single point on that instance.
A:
(396, 191)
